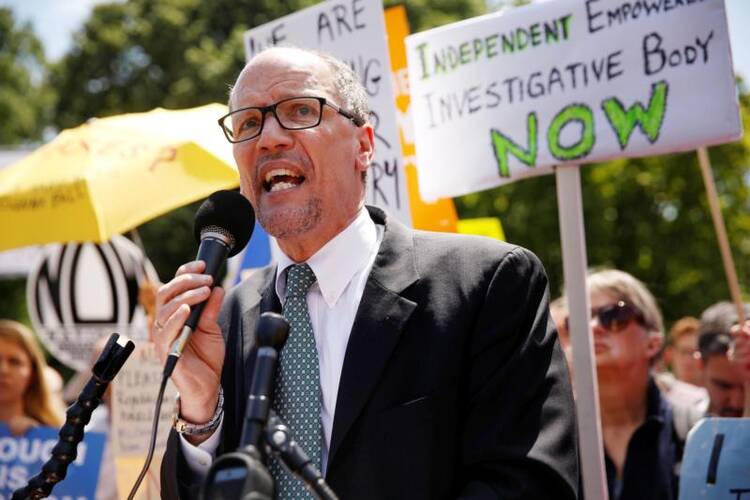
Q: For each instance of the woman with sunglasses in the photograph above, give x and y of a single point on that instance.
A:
(642, 449)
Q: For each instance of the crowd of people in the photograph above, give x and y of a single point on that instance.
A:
(652, 389)
(451, 349)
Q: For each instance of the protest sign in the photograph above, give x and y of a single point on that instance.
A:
(134, 394)
(506, 96)
(438, 215)
(78, 293)
(22, 458)
(353, 31)
(715, 463)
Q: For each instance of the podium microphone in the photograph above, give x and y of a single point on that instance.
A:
(270, 336)
(241, 474)
(223, 226)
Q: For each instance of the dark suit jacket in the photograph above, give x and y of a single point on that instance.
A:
(453, 384)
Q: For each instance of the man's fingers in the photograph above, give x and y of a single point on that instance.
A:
(211, 311)
(171, 329)
(196, 266)
(181, 284)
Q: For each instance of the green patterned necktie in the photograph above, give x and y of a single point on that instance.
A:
(298, 398)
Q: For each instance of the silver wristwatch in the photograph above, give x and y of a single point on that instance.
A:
(190, 429)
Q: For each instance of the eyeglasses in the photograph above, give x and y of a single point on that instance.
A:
(615, 317)
(294, 113)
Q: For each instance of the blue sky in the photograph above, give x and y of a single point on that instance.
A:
(56, 20)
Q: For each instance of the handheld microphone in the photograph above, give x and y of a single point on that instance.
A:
(270, 336)
(223, 226)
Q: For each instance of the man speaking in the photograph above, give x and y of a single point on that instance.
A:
(418, 366)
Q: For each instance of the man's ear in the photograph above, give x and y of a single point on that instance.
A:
(653, 346)
(365, 146)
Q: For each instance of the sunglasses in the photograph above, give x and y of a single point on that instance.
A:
(615, 317)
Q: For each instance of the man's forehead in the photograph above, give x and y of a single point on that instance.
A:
(276, 69)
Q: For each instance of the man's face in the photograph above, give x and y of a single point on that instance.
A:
(724, 386)
(305, 185)
(629, 347)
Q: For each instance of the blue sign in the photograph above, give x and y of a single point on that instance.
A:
(22, 457)
(716, 463)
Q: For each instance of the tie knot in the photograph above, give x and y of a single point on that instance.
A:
(299, 279)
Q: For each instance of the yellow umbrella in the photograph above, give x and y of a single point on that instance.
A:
(113, 174)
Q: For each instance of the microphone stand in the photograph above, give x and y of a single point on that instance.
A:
(115, 353)
(279, 439)
(242, 474)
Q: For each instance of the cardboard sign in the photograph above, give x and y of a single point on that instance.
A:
(134, 394)
(506, 96)
(353, 31)
(716, 462)
(22, 458)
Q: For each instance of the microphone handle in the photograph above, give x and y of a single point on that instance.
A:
(259, 400)
(213, 250)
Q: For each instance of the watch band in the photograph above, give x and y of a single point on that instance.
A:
(182, 426)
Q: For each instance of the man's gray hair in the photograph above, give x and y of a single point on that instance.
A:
(630, 289)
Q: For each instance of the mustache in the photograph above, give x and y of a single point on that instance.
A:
(291, 156)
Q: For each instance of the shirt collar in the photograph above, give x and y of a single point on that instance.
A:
(338, 261)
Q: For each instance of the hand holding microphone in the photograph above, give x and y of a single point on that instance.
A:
(187, 307)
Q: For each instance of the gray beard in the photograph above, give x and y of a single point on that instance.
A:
(293, 221)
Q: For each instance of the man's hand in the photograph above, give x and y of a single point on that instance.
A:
(198, 372)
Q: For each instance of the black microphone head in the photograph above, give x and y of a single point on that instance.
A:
(229, 213)
(272, 330)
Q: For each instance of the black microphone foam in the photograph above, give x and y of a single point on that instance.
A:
(231, 212)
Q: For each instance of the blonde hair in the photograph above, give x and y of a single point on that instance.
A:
(682, 327)
(630, 289)
(39, 402)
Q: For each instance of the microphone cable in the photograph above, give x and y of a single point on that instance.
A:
(154, 432)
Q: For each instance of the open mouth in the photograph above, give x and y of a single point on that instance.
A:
(280, 179)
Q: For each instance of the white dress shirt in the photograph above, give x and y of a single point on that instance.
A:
(341, 267)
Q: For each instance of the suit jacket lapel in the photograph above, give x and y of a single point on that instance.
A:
(261, 298)
(378, 324)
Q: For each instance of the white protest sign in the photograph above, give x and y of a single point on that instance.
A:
(134, 394)
(353, 31)
(506, 96)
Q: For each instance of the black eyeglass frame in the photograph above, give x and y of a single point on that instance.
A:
(271, 108)
(606, 316)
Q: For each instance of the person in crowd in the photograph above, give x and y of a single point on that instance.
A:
(681, 353)
(685, 360)
(722, 377)
(418, 365)
(25, 397)
(643, 450)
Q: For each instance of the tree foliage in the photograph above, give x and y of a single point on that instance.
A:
(140, 54)
(24, 101)
(647, 216)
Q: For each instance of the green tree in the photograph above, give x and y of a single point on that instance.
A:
(24, 99)
(646, 216)
(140, 54)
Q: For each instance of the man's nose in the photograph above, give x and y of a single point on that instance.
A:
(274, 136)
